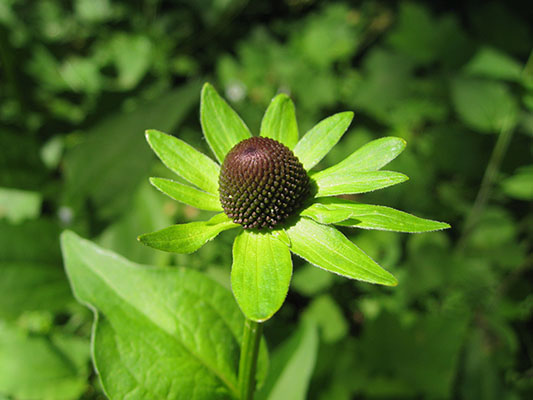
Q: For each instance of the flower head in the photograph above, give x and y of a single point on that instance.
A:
(262, 183)
(265, 185)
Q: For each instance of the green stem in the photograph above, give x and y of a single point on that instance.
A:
(248, 362)
(491, 173)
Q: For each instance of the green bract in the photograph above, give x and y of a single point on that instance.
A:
(262, 265)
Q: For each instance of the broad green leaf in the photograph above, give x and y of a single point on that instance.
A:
(113, 159)
(187, 194)
(30, 268)
(486, 106)
(520, 185)
(160, 333)
(187, 238)
(368, 216)
(221, 125)
(146, 214)
(351, 182)
(292, 366)
(491, 63)
(260, 274)
(36, 367)
(317, 142)
(328, 316)
(370, 157)
(327, 248)
(18, 205)
(279, 122)
(185, 160)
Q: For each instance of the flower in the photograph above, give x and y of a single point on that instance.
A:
(262, 265)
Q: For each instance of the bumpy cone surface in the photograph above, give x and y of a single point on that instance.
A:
(261, 183)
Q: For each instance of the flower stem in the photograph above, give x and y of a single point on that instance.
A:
(248, 362)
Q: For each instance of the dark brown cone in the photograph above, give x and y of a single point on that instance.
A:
(261, 183)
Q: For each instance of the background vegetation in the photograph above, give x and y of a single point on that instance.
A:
(81, 80)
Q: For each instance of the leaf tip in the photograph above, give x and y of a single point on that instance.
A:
(207, 87)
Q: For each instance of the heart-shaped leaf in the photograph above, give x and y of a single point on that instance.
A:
(161, 333)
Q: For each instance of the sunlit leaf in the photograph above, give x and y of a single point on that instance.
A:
(222, 127)
(187, 194)
(369, 216)
(187, 238)
(317, 142)
(351, 182)
(279, 122)
(327, 248)
(160, 332)
(260, 274)
(370, 157)
(185, 160)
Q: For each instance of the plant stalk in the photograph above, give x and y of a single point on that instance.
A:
(248, 362)
(491, 173)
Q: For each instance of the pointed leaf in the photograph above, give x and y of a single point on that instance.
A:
(370, 157)
(279, 122)
(292, 366)
(187, 194)
(368, 216)
(317, 142)
(185, 160)
(261, 273)
(351, 182)
(187, 238)
(161, 333)
(327, 248)
(221, 125)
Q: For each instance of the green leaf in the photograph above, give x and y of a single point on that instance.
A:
(292, 366)
(147, 213)
(161, 333)
(328, 316)
(30, 267)
(317, 142)
(113, 159)
(187, 194)
(31, 286)
(18, 205)
(520, 185)
(187, 238)
(36, 367)
(308, 280)
(491, 63)
(279, 122)
(185, 160)
(221, 125)
(351, 182)
(370, 157)
(327, 248)
(260, 274)
(368, 216)
(486, 106)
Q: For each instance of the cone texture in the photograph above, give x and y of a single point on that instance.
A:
(261, 183)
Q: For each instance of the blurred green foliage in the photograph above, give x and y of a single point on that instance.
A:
(81, 80)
